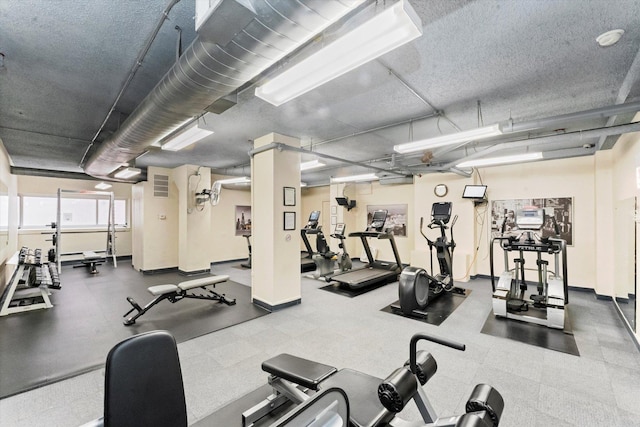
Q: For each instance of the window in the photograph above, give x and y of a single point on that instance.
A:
(85, 211)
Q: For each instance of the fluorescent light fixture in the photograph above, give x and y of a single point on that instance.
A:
(303, 184)
(190, 135)
(103, 186)
(516, 158)
(387, 30)
(354, 178)
(449, 139)
(311, 165)
(238, 180)
(128, 173)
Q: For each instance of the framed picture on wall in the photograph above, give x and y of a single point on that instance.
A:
(396, 218)
(289, 220)
(243, 220)
(289, 196)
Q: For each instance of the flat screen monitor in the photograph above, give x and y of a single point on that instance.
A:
(474, 192)
(378, 220)
(441, 211)
(342, 201)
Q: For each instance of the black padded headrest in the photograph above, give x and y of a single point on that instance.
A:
(143, 383)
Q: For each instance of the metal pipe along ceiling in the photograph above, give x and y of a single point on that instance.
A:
(257, 33)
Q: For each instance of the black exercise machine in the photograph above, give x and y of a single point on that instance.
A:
(175, 293)
(247, 264)
(374, 401)
(306, 262)
(144, 387)
(416, 287)
(374, 272)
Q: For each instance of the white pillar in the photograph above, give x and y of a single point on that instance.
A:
(275, 268)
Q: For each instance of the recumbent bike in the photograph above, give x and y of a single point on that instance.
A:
(416, 287)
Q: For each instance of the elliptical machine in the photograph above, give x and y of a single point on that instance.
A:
(417, 287)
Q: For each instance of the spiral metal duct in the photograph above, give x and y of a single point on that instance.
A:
(241, 39)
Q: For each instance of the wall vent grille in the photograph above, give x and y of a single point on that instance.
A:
(160, 185)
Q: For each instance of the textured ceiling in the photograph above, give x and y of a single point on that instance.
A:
(66, 61)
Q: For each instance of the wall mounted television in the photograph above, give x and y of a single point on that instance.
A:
(474, 192)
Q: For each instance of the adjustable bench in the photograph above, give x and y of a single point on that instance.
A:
(175, 293)
(90, 259)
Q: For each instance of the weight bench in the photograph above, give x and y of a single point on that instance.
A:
(373, 401)
(90, 259)
(175, 293)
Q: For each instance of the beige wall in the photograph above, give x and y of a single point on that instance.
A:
(154, 225)
(553, 178)
(225, 245)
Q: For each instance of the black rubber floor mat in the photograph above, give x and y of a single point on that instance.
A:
(436, 311)
(44, 346)
(533, 334)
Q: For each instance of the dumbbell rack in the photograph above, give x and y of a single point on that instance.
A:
(18, 292)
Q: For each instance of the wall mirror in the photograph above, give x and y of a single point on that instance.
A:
(4, 216)
(626, 241)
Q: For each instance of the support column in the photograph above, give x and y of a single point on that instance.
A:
(194, 226)
(275, 268)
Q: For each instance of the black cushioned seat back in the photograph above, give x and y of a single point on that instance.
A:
(143, 383)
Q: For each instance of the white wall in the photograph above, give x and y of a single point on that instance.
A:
(225, 245)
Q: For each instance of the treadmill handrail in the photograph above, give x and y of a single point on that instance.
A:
(375, 234)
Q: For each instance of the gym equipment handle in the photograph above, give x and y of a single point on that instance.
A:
(421, 336)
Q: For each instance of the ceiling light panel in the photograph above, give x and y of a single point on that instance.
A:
(396, 25)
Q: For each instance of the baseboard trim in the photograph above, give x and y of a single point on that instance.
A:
(627, 326)
(277, 307)
(159, 271)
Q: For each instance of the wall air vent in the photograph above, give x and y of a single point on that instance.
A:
(160, 185)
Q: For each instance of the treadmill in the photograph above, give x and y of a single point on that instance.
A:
(375, 272)
(306, 261)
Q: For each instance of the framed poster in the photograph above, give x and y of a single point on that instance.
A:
(396, 218)
(289, 220)
(289, 196)
(243, 220)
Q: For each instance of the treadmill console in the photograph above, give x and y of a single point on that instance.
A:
(314, 217)
(378, 220)
(530, 218)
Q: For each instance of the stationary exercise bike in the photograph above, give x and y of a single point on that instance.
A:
(324, 257)
(247, 263)
(417, 287)
(344, 260)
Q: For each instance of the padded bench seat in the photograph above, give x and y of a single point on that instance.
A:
(186, 285)
(298, 370)
(361, 389)
(90, 256)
